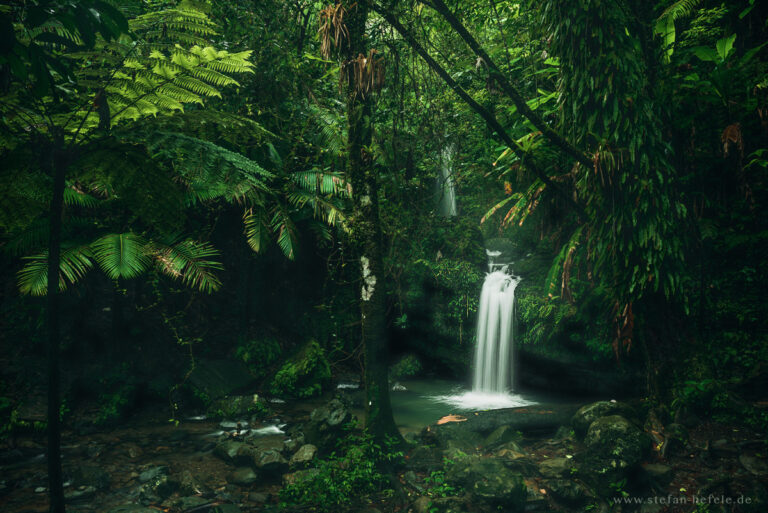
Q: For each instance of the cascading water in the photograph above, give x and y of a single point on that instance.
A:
(494, 377)
(446, 188)
(494, 352)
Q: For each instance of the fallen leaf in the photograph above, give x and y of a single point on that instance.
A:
(451, 418)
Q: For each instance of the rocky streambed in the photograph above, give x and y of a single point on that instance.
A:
(604, 456)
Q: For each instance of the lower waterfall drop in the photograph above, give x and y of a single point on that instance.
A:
(494, 352)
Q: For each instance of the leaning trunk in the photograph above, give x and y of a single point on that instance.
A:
(55, 481)
(366, 239)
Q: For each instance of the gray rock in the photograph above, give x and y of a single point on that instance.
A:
(489, 481)
(153, 473)
(190, 485)
(242, 476)
(501, 436)
(270, 462)
(557, 467)
(80, 494)
(186, 503)
(425, 459)
(659, 473)
(228, 451)
(756, 466)
(421, 505)
(567, 491)
(258, 498)
(303, 457)
(326, 425)
(586, 415)
(219, 378)
(295, 442)
(677, 437)
(226, 508)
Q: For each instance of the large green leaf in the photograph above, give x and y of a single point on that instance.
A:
(122, 255)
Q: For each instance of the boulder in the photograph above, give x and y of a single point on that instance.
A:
(303, 457)
(220, 378)
(229, 450)
(676, 439)
(79, 494)
(476, 426)
(586, 415)
(755, 465)
(157, 486)
(615, 447)
(270, 462)
(489, 481)
(658, 473)
(326, 425)
(501, 436)
(242, 476)
(567, 491)
(557, 467)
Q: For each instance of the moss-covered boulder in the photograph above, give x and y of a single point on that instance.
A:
(489, 482)
(307, 374)
(586, 415)
(614, 449)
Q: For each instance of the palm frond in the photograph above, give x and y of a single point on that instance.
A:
(285, 231)
(192, 262)
(121, 255)
(75, 262)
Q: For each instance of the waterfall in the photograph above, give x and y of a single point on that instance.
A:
(446, 188)
(494, 356)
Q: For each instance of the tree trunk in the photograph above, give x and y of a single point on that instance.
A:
(55, 482)
(366, 239)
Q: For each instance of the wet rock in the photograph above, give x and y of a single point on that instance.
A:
(615, 447)
(228, 450)
(258, 498)
(242, 476)
(756, 466)
(586, 415)
(226, 508)
(90, 475)
(658, 473)
(220, 378)
(153, 473)
(303, 457)
(421, 505)
(567, 491)
(501, 436)
(82, 493)
(489, 481)
(448, 505)
(326, 425)
(676, 439)
(188, 503)
(295, 442)
(723, 448)
(557, 467)
(270, 462)
(157, 485)
(190, 485)
(299, 476)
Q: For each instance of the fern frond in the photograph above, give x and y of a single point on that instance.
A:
(191, 262)
(123, 255)
(74, 264)
(285, 230)
(256, 229)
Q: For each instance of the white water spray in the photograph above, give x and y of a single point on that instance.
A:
(494, 352)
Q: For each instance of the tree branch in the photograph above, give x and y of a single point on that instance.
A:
(508, 88)
(489, 118)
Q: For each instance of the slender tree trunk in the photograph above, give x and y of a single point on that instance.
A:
(55, 481)
(366, 239)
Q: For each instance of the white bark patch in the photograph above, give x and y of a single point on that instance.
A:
(369, 280)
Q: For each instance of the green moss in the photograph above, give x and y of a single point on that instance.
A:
(304, 375)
